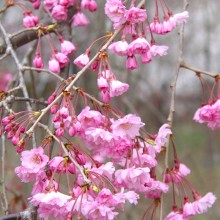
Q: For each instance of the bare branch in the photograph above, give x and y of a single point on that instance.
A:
(3, 193)
(198, 71)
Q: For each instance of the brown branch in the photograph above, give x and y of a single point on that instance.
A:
(25, 36)
(30, 214)
(172, 103)
(32, 101)
(198, 71)
(3, 193)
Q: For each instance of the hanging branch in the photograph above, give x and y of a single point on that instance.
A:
(172, 103)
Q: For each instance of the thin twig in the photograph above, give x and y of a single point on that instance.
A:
(24, 68)
(32, 101)
(3, 193)
(198, 71)
(20, 73)
(4, 56)
(172, 103)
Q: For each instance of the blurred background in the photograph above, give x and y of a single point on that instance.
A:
(149, 93)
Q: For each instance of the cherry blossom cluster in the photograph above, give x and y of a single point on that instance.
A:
(133, 21)
(106, 192)
(199, 205)
(17, 124)
(59, 11)
(210, 114)
(113, 160)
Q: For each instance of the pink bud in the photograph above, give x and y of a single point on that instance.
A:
(62, 59)
(54, 108)
(59, 132)
(81, 159)
(64, 112)
(51, 98)
(54, 65)
(38, 63)
(72, 131)
(15, 140)
(7, 119)
(105, 96)
(10, 134)
(22, 129)
(36, 4)
(95, 65)
(8, 127)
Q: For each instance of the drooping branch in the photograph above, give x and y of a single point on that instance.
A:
(172, 103)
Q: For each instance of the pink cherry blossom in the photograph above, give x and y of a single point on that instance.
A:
(138, 46)
(116, 11)
(93, 210)
(106, 169)
(50, 3)
(67, 47)
(133, 178)
(128, 126)
(51, 204)
(61, 165)
(168, 25)
(146, 57)
(146, 159)
(90, 118)
(30, 20)
(117, 88)
(80, 19)
(26, 175)
(34, 159)
(59, 13)
(62, 59)
(82, 60)
(136, 15)
(180, 17)
(175, 216)
(54, 65)
(33, 163)
(131, 63)
(98, 136)
(157, 50)
(209, 114)
(161, 138)
(91, 5)
(200, 205)
(154, 189)
(131, 196)
(119, 47)
(102, 84)
(105, 96)
(156, 27)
